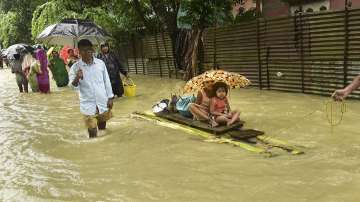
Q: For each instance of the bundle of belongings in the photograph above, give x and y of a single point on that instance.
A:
(178, 104)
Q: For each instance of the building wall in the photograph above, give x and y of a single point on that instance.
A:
(315, 6)
(249, 4)
(245, 5)
(275, 8)
(339, 4)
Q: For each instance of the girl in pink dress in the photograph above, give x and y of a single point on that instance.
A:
(220, 107)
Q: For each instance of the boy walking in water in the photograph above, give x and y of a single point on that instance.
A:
(89, 74)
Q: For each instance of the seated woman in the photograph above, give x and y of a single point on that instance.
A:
(220, 107)
(201, 108)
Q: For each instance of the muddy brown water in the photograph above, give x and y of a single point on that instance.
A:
(45, 154)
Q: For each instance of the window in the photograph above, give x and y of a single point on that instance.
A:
(309, 10)
(323, 8)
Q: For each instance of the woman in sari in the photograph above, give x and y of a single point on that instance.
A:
(58, 69)
(43, 76)
(201, 108)
(31, 67)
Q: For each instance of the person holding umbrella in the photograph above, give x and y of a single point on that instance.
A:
(90, 76)
(114, 68)
(16, 68)
(72, 58)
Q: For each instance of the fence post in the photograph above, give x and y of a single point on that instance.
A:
(346, 40)
(267, 67)
(174, 53)
(166, 55)
(158, 52)
(134, 52)
(127, 52)
(302, 49)
(142, 55)
(258, 50)
(215, 49)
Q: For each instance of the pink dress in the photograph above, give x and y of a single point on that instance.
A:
(43, 77)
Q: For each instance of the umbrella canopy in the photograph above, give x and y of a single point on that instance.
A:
(17, 49)
(233, 80)
(70, 31)
(2, 53)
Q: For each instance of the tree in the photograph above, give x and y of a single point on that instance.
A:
(117, 17)
(23, 11)
(8, 29)
(202, 14)
(47, 14)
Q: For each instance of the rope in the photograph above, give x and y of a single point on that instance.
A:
(333, 110)
(335, 113)
(298, 121)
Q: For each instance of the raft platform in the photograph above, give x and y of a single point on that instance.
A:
(178, 118)
(235, 135)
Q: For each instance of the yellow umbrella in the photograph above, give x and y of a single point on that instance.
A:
(233, 80)
(50, 51)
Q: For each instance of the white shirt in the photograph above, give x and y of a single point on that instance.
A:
(95, 87)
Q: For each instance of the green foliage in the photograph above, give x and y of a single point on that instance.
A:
(47, 14)
(21, 26)
(205, 13)
(246, 16)
(117, 17)
(8, 29)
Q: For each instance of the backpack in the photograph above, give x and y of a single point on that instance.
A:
(183, 103)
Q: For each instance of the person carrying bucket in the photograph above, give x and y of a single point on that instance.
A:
(114, 68)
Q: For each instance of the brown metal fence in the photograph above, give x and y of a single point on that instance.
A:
(315, 53)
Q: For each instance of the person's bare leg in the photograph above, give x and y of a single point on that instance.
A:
(92, 132)
(21, 89)
(102, 125)
(235, 117)
(26, 87)
(222, 120)
(198, 113)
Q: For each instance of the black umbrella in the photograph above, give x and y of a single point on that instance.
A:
(2, 53)
(17, 49)
(70, 31)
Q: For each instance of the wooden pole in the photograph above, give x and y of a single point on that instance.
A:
(302, 50)
(142, 55)
(134, 52)
(258, 51)
(346, 44)
(158, 52)
(166, 55)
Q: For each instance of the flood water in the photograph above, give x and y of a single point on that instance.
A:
(45, 154)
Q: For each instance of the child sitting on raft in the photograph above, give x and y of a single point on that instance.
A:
(220, 108)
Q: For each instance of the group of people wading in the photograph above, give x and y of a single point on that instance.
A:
(97, 77)
(98, 81)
